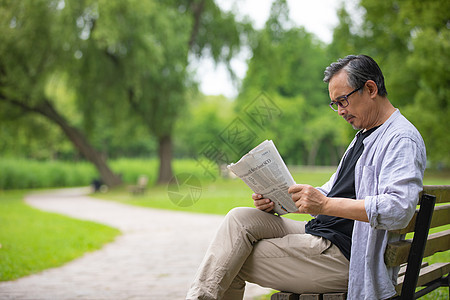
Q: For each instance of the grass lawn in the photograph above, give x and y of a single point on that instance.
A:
(222, 195)
(32, 240)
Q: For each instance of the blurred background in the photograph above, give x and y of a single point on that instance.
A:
(108, 90)
(116, 93)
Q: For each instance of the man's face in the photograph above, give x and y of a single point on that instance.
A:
(360, 112)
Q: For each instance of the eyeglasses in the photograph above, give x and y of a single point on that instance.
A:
(342, 101)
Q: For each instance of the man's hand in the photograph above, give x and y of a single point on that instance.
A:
(308, 199)
(262, 203)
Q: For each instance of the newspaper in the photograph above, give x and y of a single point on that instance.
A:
(265, 172)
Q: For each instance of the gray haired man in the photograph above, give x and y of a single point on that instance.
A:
(374, 189)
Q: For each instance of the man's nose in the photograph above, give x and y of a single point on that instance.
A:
(341, 110)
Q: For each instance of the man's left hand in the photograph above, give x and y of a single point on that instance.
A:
(308, 199)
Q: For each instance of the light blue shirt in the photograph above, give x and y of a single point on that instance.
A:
(388, 176)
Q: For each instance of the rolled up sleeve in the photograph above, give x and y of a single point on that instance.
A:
(399, 179)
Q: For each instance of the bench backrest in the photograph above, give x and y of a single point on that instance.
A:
(422, 244)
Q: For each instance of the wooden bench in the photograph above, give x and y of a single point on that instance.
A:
(408, 254)
(140, 186)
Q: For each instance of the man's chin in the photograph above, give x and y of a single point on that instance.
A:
(356, 127)
(350, 119)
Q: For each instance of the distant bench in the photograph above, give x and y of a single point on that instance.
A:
(408, 254)
(140, 187)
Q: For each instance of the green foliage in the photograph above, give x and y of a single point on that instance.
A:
(202, 122)
(32, 240)
(118, 73)
(344, 41)
(36, 138)
(148, 47)
(431, 104)
(288, 64)
(215, 32)
(410, 40)
(113, 72)
(295, 67)
(27, 174)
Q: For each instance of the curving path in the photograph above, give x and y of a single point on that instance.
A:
(155, 257)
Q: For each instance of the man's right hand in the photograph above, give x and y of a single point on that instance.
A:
(262, 203)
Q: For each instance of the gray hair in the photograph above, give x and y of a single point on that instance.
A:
(359, 69)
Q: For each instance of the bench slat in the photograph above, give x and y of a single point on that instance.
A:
(442, 192)
(310, 297)
(397, 252)
(293, 296)
(402, 270)
(437, 242)
(287, 296)
(335, 296)
(441, 216)
(427, 274)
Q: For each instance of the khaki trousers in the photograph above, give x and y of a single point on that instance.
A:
(255, 246)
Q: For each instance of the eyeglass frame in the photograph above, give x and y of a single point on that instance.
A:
(343, 98)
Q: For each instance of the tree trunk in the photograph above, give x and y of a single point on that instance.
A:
(312, 153)
(46, 109)
(197, 10)
(165, 159)
(81, 143)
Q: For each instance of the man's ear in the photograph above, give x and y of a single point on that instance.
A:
(372, 88)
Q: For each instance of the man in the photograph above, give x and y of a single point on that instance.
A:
(375, 189)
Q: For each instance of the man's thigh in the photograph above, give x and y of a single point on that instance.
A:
(297, 263)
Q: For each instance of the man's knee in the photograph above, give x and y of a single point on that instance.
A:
(243, 213)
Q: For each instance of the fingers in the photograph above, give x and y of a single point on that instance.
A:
(256, 196)
(307, 199)
(298, 191)
(295, 188)
(262, 203)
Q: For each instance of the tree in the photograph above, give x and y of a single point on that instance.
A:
(430, 58)
(121, 59)
(144, 46)
(410, 39)
(31, 52)
(212, 32)
(205, 118)
(344, 41)
(156, 88)
(288, 64)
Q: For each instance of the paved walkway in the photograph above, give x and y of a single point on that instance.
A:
(155, 258)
